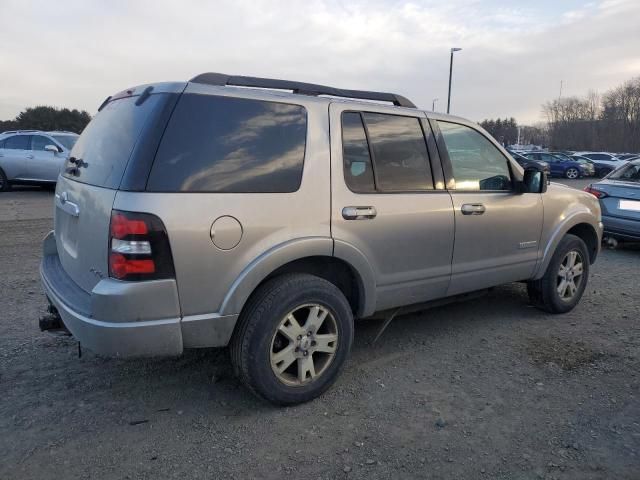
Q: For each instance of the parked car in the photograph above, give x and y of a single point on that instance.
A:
(589, 166)
(560, 167)
(628, 156)
(33, 156)
(604, 162)
(267, 220)
(525, 162)
(619, 196)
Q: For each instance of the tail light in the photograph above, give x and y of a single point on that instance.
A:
(138, 247)
(595, 192)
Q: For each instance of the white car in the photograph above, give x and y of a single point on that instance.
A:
(33, 156)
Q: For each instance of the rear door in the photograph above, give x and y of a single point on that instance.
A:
(87, 189)
(497, 229)
(389, 201)
(44, 165)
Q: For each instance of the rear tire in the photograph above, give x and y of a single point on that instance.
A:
(5, 186)
(565, 279)
(292, 339)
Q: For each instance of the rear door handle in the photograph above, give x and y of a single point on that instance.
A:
(359, 213)
(473, 209)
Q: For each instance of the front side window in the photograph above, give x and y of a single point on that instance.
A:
(234, 145)
(18, 142)
(477, 164)
(38, 142)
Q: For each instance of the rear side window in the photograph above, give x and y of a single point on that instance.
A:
(18, 142)
(108, 141)
(477, 164)
(400, 160)
(358, 171)
(235, 145)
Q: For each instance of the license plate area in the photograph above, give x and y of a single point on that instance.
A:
(632, 205)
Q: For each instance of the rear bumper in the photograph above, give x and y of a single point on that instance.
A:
(128, 319)
(621, 227)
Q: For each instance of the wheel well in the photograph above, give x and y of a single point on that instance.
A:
(589, 236)
(332, 269)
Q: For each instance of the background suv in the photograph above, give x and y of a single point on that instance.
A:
(32, 156)
(268, 220)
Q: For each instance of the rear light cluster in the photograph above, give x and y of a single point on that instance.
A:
(595, 192)
(138, 247)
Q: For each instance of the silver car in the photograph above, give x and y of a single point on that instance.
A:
(228, 211)
(33, 157)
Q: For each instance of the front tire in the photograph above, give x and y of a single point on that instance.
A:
(564, 281)
(292, 339)
(572, 173)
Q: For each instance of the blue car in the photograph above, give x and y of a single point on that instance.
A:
(619, 195)
(560, 167)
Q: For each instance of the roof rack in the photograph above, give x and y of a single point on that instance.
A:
(221, 79)
(19, 131)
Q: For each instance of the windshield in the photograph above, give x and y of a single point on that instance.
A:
(102, 152)
(67, 141)
(629, 173)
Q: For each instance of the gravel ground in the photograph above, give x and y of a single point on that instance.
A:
(491, 388)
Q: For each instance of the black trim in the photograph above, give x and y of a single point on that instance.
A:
(313, 89)
(435, 162)
(144, 151)
(443, 153)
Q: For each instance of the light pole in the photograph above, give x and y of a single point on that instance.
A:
(433, 104)
(454, 49)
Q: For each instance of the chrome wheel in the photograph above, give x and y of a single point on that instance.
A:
(572, 173)
(570, 275)
(304, 345)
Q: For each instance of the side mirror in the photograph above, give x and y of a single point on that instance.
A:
(52, 148)
(534, 181)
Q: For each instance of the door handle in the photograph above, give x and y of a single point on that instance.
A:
(29, 156)
(359, 213)
(473, 209)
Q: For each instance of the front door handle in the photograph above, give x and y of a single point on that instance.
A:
(359, 213)
(473, 209)
(29, 156)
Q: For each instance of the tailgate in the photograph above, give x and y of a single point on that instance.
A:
(82, 216)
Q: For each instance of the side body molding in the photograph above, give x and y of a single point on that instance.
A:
(266, 263)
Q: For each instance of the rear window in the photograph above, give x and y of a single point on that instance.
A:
(225, 144)
(107, 142)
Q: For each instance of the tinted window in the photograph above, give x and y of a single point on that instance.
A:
(225, 144)
(598, 156)
(399, 151)
(358, 172)
(18, 142)
(107, 142)
(629, 173)
(38, 142)
(477, 163)
(67, 141)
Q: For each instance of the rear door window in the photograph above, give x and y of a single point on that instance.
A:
(108, 141)
(18, 142)
(231, 145)
(358, 170)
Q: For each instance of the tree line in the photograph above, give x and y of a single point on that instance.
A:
(48, 118)
(607, 122)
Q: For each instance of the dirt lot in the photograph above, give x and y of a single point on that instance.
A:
(487, 389)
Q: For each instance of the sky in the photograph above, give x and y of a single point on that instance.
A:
(514, 53)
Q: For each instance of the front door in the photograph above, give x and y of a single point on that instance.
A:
(497, 229)
(389, 202)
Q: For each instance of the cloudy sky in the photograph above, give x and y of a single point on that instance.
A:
(515, 53)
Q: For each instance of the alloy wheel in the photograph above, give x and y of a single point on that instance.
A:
(570, 275)
(304, 345)
(572, 173)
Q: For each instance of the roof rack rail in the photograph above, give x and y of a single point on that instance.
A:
(221, 79)
(19, 131)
